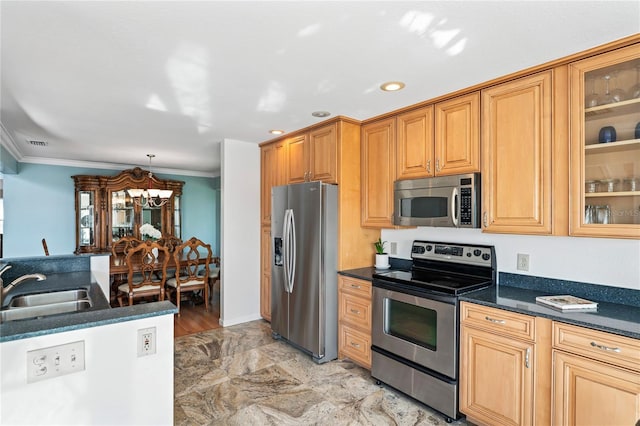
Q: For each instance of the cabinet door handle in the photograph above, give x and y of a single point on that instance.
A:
(485, 220)
(526, 357)
(355, 345)
(495, 321)
(605, 348)
(355, 286)
(354, 311)
(437, 164)
(428, 166)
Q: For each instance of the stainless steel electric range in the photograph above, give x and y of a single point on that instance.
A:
(415, 331)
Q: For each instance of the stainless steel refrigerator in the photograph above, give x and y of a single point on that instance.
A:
(304, 293)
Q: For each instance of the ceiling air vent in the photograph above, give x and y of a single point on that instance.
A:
(38, 143)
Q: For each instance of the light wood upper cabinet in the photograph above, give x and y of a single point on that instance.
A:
(323, 158)
(414, 145)
(440, 139)
(378, 173)
(516, 156)
(602, 172)
(297, 151)
(457, 135)
(272, 171)
(312, 156)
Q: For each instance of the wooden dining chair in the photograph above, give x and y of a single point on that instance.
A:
(170, 242)
(192, 259)
(214, 273)
(119, 250)
(147, 263)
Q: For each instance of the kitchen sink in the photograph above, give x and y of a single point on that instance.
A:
(39, 299)
(44, 304)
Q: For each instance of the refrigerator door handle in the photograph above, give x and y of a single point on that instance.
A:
(294, 254)
(286, 249)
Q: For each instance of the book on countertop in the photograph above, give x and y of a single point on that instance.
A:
(567, 303)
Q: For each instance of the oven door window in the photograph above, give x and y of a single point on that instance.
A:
(411, 323)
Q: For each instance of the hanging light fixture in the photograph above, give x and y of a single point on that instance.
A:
(149, 197)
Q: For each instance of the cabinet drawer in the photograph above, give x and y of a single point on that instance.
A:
(355, 286)
(355, 345)
(508, 323)
(605, 347)
(356, 311)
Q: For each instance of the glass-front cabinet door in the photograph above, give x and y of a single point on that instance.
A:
(86, 219)
(177, 217)
(605, 145)
(122, 215)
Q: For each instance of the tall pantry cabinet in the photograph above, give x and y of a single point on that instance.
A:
(328, 152)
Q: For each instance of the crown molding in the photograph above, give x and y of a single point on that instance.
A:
(111, 166)
(7, 141)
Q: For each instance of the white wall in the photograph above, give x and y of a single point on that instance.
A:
(605, 261)
(240, 234)
(116, 387)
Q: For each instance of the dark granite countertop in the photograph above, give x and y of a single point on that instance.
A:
(366, 273)
(99, 314)
(610, 317)
(618, 311)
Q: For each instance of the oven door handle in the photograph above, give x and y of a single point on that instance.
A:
(454, 206)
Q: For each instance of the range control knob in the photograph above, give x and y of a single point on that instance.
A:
(486, 256)
(417, 249)
(429, 247)
(476, 252)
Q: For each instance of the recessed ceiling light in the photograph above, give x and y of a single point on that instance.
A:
(321, 114)
(276, 132)
(392, 86)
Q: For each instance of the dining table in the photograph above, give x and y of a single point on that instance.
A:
(118, 268)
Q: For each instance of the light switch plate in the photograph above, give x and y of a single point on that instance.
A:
(55, 361)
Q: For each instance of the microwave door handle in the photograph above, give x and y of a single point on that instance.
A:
(454, 207)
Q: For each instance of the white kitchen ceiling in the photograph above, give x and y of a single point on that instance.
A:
(105, 83)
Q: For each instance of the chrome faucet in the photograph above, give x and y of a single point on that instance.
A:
(4, 290)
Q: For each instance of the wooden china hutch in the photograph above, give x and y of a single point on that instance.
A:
(105, 212)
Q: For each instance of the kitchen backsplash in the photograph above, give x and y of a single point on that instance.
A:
(601, 261)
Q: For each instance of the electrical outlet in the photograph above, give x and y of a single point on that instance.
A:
(55, 361)
(146, 341)
(523, 262)
(393, 248)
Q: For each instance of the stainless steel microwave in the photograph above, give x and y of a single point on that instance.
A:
(445, 201)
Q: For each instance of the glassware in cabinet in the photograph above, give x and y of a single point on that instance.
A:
(86, 218)
(605, 144)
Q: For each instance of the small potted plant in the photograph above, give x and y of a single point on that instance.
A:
(382, 258)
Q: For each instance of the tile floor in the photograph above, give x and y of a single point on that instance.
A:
(240, 375)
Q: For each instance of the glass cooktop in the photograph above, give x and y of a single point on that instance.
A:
(436, 280)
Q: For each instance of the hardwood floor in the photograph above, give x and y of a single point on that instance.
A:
(195, 319)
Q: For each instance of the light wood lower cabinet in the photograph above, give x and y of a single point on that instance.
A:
(596, 377)
(265, 271)
(504, 367)
(354, 320)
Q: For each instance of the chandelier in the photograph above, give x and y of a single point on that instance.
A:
(149, 197)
